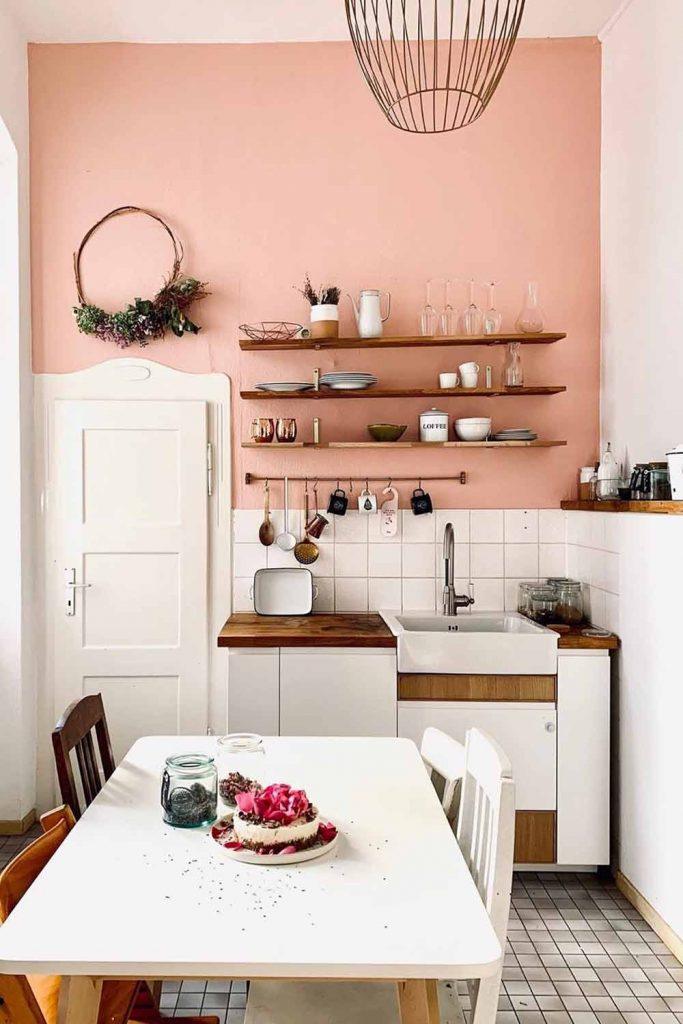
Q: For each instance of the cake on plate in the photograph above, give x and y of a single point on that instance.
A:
(278, 816)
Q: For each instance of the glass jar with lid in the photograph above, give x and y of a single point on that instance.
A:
(189, 790)
(241, 759)
(524, 606)
(569, 609)
(543, 605)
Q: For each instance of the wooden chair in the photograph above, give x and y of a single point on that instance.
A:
(74, 731)
(486, 836)
(34, 999)
(444, 756)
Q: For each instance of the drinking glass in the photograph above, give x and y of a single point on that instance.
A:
(493, 318)
(449, 318)
(472, 318)
(429, 319)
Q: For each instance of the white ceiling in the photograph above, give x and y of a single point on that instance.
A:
(249, 21)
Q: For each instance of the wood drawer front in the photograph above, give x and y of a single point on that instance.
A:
(535, 837)
(422, 686)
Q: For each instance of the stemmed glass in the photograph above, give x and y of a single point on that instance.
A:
(493, 318)
(449, 318)
(429, 319)
(472, 318)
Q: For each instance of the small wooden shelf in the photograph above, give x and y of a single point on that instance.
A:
(435, 392)
(667, 508)
(399, 341)
(275, 446)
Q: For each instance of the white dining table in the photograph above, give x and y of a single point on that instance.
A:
(126, 895)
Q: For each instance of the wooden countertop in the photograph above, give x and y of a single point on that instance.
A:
(352, 629)
(667, 508)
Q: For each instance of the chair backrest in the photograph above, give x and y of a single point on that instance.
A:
(445, 756)
(486, 825)
(22, 870)
(74, 731)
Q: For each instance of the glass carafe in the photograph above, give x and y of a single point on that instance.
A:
(513, 372)
(530, 319)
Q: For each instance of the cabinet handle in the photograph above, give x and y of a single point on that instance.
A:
(550, 727)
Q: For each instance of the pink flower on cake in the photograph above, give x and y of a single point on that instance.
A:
(327, 831)
(278, 802)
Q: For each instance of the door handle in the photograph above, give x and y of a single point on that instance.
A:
(71, 588)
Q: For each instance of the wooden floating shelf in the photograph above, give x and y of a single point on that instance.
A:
(275, 446)
(667, 508)
(399, 341)
(435, 392)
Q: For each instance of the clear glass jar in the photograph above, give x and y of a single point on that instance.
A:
(543, 605)
(240, 765)
(569, 607)
(189, 790)
(524, 605)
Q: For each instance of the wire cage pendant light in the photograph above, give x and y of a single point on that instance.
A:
(433, 65)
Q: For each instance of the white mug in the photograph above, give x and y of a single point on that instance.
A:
(469, 380)
(448, 380)
(367, 502)
(468, 368)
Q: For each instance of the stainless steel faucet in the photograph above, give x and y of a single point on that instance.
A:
(451, 600)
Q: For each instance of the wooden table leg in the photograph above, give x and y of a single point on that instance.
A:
(79, 1000)
(419, 1002)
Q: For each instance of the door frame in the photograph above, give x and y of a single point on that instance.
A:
(128, 379)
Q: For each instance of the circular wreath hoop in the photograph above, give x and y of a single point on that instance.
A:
(144, 319)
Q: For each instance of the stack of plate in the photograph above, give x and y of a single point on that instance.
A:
(348, 381)
(281, 385)
(515, 434)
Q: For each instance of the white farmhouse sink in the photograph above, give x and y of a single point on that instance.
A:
(476, 642)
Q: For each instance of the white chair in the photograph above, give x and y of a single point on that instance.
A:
(445, 756)
(486, 834)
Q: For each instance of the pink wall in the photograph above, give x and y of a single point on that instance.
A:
(271, 160)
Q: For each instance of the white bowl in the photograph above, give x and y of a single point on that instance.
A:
(472, 428)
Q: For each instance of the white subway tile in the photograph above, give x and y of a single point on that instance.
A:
(351, 528)
(245, 525)
(384, 560)
(512, 593)
(279, 559)
(351, 595)
(384, 594)
(552, 560)
(374, 535)
(241, 595)
(612, 536)
(596, 529)
(460, 518)
(324, 563)
(596, 561)
(520, 560)
(521, 526)
(487, 560)
(462, 560)
(418, 560)
(487, 526)
(611, 571)
(598, 607)
(612, 612)
(350, 560)
(323, 596)
(418, 595)
(247, 558)
(418, 529)
(552, 526)
(573, 561)
(489, 595)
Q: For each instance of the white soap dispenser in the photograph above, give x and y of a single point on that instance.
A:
(608, 476)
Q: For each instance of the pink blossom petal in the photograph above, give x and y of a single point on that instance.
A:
(233, 846)
(289, 849)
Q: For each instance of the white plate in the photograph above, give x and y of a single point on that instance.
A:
(280, 859)
(351, 386)
(285, 386)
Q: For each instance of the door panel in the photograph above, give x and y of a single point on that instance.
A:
(131, 518)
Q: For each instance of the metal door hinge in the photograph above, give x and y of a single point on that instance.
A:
(209, 469)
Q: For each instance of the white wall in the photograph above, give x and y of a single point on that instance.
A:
(642, 230)
(17, 677)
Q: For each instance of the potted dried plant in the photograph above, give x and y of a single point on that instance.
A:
(324, 302)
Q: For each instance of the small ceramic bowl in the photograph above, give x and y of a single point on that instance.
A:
(386, 431)
(473, 428)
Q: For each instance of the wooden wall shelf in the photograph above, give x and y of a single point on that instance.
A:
(435, 392)
(667, 508)
(403, 445)
(399, 341)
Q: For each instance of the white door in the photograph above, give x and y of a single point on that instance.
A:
(130, 521)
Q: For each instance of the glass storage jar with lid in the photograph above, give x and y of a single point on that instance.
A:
(524, 590)
(189, 790)
(240, 765)
(569, 609)
(543, 604)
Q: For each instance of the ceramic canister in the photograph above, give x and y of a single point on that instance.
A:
(434, 425)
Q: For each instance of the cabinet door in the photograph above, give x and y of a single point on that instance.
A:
(337, 692)
(254, 691)
(583, 730)
(526, 732)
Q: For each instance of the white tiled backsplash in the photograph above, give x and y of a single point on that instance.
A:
(358, 570)
(593, 546)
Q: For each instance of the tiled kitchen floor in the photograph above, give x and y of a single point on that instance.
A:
(578, 953)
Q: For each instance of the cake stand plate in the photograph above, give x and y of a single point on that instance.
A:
(221, 836)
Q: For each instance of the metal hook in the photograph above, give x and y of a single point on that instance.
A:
(350, 486)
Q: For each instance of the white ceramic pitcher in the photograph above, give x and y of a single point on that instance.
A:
(368, 312)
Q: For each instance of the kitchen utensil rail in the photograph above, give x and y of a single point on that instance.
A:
(454, 478)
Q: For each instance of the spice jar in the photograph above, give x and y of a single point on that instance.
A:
(543, 604)
(189, 790)
(569, 608)
(240, 765)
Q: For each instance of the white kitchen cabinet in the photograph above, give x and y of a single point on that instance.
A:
(254, 690)
(337, 692)
(583, 757)
(526, 732)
